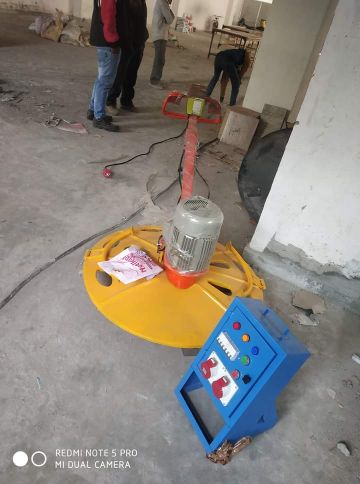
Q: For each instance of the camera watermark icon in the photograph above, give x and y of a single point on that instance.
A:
(38, 458)
(20, 458)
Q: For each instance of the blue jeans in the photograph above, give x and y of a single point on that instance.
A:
(107, 67)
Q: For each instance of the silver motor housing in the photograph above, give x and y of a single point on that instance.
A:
(193, 234)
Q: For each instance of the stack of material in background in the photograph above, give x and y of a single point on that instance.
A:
(62, 28)
(184, 24)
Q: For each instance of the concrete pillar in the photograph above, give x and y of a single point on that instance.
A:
(312, 212)
(284, 52)
(251, 9)
(229, 14)
(309, 71)
(86, 8)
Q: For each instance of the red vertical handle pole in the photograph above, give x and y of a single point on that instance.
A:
(190, 150)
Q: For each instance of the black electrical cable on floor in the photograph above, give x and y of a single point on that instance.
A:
(74, 248)
(45, 266)
(205, 181)
(201, 147)
(180, 169)
(208, 143)
(119, 163)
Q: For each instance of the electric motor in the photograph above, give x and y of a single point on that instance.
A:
(193, 235)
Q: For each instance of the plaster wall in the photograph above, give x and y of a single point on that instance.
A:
(312, 212)
(79, 8)
(284, 52)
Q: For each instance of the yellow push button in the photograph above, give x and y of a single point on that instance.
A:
(246, 338)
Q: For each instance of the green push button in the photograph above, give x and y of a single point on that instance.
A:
(245, 360)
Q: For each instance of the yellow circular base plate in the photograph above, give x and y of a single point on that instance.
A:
(157, 311)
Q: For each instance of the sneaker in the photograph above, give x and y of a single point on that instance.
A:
(112, 110)
(129, 107)
(156, 84)
(90, 116)
(102, 123)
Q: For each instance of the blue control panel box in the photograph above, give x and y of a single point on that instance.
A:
(230, 390)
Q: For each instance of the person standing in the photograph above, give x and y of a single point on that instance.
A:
(108, 20)
(162, 19)
(131, 57)
(233, 63)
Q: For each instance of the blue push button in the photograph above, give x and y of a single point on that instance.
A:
(255, 350)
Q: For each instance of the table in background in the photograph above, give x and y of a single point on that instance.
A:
(239, 37)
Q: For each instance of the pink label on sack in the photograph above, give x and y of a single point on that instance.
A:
(131, 265)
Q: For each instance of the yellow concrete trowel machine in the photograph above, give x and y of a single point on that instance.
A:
(180, 306)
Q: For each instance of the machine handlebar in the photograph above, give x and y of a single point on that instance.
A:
(175, 98)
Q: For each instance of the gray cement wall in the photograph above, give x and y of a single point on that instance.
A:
(284, 52)
(312, 212)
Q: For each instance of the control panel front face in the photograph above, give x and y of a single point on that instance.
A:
(235, 359)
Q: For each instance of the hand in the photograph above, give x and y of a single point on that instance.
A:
(115, 50)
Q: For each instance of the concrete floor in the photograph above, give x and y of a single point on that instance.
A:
(69, 378)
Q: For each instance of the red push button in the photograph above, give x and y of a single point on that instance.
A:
(235, 374)
(206, 367)
(237, 325)
(219, 385)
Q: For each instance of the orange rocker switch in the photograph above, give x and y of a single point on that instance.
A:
(207, 366)
(219, 385)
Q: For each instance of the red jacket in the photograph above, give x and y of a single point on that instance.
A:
(108, 17)
(109, 24)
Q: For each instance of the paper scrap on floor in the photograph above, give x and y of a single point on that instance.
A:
(131, 265)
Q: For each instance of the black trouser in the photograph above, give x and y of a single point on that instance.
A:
(159, 60)
(126, 76)
(230, 68)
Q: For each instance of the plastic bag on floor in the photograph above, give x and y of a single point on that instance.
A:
(53, 31)
(71, 33)
(41, 23)
(131, 265)
(76, 32)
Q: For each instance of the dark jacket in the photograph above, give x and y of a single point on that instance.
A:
(233, 56)
(110, 25)
(138, 18)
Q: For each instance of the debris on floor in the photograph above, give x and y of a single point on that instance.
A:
(173, 41)
(356, 358)
(62, 28)
(74, 33)
(343, 448)
(41, 23)
(303, 320)
(308, 301)
(39, 382)
(231, 155)
(348, 383)
(63, 125)
(331, 393)
(8, 96)
(54, 29)
(224, 454)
